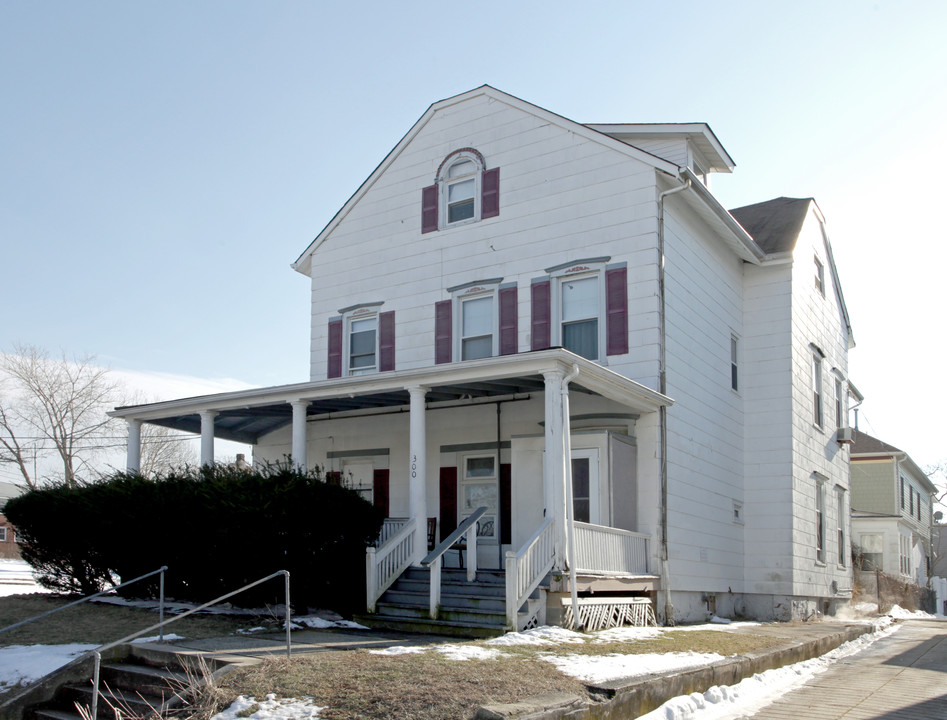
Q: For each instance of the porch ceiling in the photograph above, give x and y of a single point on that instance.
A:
(246, 416)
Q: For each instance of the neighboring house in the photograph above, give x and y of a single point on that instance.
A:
(892, 514)
(939, 543)
(9, 548)
(515, 308)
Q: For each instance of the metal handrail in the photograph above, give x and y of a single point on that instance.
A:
(449, 541)
(99, 594)
(97, 653)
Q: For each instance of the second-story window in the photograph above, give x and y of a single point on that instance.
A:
(363, 345)
(734, 379)
(476, 327)
(579, 313)
(819, 276)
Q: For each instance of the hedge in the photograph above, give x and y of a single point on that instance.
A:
(216, 528)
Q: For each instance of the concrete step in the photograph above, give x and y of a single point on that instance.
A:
(130, 702)
(455, 602)
(473, 616)
(145, 678)
(433, 627)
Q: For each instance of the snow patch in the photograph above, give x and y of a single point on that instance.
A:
(900, 613)
(754, 693)
(602, 668)
(24, 664)
(397, 650)
(157, 638)
(545, 635)
(270, 709)
(467, 652)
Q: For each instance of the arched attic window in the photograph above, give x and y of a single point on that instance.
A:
(464, 191)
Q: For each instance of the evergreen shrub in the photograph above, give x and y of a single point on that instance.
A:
(216, 528)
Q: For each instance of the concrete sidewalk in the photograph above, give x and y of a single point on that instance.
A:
(616, 699)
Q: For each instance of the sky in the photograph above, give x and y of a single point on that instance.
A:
(164, 163)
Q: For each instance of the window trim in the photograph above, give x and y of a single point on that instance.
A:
(820, 540)
(445, 182)
(734, 363)
(840, 506)
(475, 290)
(818, 396)
(355, 313)
(579, 270)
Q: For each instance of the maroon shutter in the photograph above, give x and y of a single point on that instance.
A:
(334, 477)
(442, 331)
(448, 483)
(616, 311)
(380, 490)
(490, 193)
(429, 208)
(506, 503)
(386, 341)
(540, 310)
(508, 321)
(334, 368)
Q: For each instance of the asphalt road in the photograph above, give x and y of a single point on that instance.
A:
(900, 677)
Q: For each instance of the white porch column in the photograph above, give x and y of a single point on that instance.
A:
(299, 435)
(207, 436)
(554, 462)
(417, 477)
(133, 456)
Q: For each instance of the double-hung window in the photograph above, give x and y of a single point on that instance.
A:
(820, 518)
(476, 327)
(819, 276)
(461, 187)
(361, 340)
(363, 345)
(841, 515)
(817, 403)
(579, 315)
(734, 368)
(464, 191)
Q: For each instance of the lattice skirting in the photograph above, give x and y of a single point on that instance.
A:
(602, 613)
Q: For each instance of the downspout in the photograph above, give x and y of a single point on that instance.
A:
(499, 516)
(570, 510)
(662, 411)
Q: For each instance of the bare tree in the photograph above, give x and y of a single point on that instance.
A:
(54, 407)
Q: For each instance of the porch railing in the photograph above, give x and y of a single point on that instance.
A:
(606, 550)
(466, 530)
(389, 528)
(385, 563)
(526, 569)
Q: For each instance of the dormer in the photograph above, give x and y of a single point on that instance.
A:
(690, 145)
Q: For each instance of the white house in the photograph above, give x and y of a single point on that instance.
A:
(515, 309)
(892, 511)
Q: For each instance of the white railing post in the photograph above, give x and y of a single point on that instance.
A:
(371, 585)
(435, 603)
(512, 582)
(471, 538)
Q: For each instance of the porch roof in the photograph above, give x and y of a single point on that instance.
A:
(247, 415)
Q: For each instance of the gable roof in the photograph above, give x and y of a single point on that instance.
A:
(723, 222)
(867, 446)
(774, 224)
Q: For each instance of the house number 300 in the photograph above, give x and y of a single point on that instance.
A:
(414, 466)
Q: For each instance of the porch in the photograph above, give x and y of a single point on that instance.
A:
(514, 414)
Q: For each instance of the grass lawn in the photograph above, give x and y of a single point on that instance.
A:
(357, 683)
(99, 623)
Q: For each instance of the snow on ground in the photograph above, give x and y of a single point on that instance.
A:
(23, 664)
(901, 614)
(270, 709)
(751, 694)
(16, 578)
(602, 668)
(157, 638)
(323, 621)
(468, 652)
